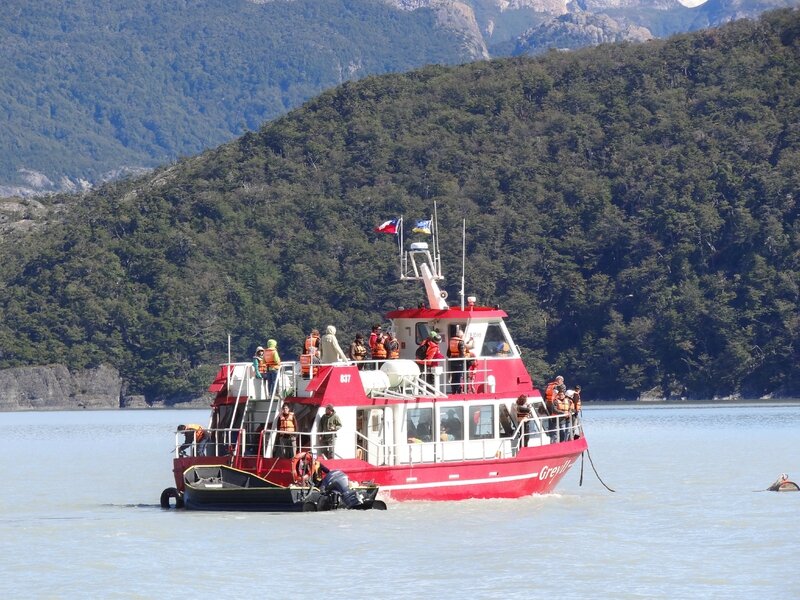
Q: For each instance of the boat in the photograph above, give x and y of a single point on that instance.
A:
(432, 430)
(220, 487)
(782, 484)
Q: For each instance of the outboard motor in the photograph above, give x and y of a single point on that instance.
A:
(336, 482)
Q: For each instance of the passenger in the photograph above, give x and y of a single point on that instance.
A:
(358, 351)
(329, 350)
(392, 346)
(563, 410)
(575, 397)
(330, 423)
(377, 331)
(273, 362)
(192, 436)
(311, 343)
(472, 371)
(458, 349)
(453, 424)
(445, 435)
(551, 424)
(260, 369)
(506, 424)
(427, 353)
(524, 418)
(378, 349)
(286, 425)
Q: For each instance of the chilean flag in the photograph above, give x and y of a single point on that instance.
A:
(389, 226)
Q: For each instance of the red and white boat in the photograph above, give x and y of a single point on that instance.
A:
(406, 428)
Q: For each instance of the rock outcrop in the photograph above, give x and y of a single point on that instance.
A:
(54, 387)
(577, 30)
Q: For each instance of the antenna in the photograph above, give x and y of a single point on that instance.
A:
(463, 258)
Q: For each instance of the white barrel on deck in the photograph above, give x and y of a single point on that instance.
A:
(374, 381)
(400, 370)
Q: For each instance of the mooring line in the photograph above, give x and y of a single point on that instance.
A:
(591, 462)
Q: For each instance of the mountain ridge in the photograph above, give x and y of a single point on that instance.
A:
(92, 90)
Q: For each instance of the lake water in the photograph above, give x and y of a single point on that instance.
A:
(80, 519)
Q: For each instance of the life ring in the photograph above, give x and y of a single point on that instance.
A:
(168, 494)
(302, 465)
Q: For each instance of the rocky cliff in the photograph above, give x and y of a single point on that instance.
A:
(54, 387)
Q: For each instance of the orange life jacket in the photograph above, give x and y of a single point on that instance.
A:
(269, 360)
(306, 360)
(393, 348)
(455, 349)
(311, 342)
(561, 404)
(286, 422)
(379, 351)
(199, 432)
(262, 365)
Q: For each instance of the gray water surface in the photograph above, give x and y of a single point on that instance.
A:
(79, 518)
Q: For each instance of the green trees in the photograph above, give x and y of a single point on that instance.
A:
(633, 208)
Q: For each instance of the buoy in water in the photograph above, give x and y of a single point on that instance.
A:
(782, 484)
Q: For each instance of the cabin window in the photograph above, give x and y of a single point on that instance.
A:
(495, 343)
(481, 421)
(421, 332)
(451, 422)
(419, 423)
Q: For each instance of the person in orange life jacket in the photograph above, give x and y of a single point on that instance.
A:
(310, 354)
(392, 346)
(551, 425)
(358, 351)
(273, 362)
(376, 332)
(458, 348)
(260, 367)
(428, 361)
(379, 352)
(329, 350)
(192, 436)
(563, 408)
(311, 343)
(286, 424)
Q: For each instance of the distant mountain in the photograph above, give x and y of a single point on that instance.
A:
(94, 89)
(633, 207)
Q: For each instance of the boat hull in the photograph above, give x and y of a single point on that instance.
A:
(222, 488)
(535, 470)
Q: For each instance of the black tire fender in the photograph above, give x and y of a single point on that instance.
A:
(168, 494)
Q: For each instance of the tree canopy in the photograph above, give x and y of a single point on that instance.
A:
(633, 208)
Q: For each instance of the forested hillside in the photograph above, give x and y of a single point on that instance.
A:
(633, 208)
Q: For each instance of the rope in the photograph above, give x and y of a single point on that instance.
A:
(595, 471)
(580, 481)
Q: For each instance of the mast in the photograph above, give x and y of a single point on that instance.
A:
(422, 262)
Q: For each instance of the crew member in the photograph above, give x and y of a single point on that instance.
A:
(329, 423)
(192, 436)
